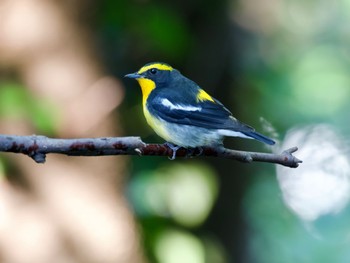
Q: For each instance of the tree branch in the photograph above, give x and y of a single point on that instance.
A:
(36, 147)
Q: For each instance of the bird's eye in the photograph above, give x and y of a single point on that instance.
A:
(153, 70)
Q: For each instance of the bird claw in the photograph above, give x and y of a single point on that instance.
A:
(174, 148)
(200, 151)
(191, 152)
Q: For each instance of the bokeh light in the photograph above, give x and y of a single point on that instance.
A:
(184, 192)
(175, 246)
(322, 184)
(321, 78)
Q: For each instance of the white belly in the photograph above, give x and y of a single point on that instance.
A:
(183, 135)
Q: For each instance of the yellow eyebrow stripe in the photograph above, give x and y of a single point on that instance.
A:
(159, 66)
(202, 96)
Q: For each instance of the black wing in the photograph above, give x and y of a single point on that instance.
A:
(206, 114)
(178, 105)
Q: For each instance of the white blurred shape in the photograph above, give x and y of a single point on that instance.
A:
(320, 185)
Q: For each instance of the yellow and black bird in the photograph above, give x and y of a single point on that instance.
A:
(183, 114)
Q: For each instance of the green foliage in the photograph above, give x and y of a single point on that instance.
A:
(156, 30)
(16, 102)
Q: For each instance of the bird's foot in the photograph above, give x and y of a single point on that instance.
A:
(191, 152)
(174, 148)
(200, 151)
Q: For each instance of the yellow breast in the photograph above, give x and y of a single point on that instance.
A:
(147, 86)
(157, 125)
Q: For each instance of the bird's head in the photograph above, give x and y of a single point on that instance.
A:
(152, 75)
(157, 72)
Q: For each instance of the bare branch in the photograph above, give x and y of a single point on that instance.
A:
(36, 147)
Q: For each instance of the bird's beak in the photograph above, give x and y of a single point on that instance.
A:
(133, 76)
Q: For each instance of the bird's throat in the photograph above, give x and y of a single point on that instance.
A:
(147, 86)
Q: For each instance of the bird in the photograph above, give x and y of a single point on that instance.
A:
(185, 115)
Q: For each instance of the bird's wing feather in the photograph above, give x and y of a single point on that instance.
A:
(205, 114)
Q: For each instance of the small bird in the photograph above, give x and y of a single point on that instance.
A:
(183, 114)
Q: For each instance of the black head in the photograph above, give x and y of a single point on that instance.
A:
(156, 71)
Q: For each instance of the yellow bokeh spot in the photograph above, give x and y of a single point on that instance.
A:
(174, 246)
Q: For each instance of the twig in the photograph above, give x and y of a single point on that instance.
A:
(36, 147)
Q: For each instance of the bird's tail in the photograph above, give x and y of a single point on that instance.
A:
(260, 137)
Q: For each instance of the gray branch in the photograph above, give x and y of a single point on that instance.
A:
(36, 147)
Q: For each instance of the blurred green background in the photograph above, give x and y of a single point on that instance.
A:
(278, 65)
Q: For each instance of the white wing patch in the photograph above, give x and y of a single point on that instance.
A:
(230, 133)
(172, 106)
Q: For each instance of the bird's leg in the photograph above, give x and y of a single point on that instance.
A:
(174, 148)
